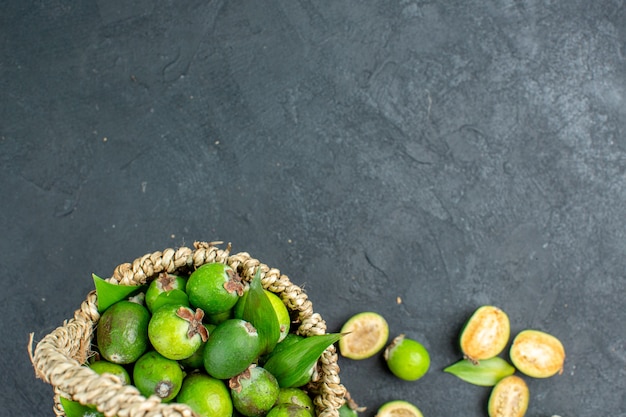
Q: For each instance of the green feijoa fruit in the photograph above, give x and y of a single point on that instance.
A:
(176, 332)
(172, 297)
(162, 284)
(206, 396)
(196, 361)
(485, 373)
(232, 347)
(485, 334)
(254, 391)
(509, 398)
(214, 288)
(407, 359)
(296, 396)
(122, 333)
(154, 374)
(288, 410)
(104, 366)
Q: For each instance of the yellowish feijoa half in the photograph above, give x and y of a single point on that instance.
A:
(365, 334)
(509, 398)
(398, 408)
(485, 334)
(537, 354)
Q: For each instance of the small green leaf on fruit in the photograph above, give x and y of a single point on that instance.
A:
(109, 294)
(485, 373)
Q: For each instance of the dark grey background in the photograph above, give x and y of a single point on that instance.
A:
(453, 153)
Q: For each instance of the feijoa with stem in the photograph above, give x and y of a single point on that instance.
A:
(537, 354)
(254, 391)
(163, 283)
(485, 334)
(176, 332)
(407, 358)
(232, 347)
(214, 288)
(509, 398)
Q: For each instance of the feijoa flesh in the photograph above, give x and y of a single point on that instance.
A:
(537, 354)
(509, 398)
(485, 334)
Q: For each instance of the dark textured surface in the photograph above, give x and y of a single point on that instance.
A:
(453, 153)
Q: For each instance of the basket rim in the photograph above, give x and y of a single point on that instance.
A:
(59, 357)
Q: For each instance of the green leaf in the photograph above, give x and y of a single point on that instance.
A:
(290, 364)
(76, 409)
(485, 373)
(109, 294)
(259, 311)
(175, 296)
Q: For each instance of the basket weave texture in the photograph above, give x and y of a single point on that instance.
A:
(60, 356)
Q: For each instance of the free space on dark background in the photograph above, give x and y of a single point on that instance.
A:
(451, 153)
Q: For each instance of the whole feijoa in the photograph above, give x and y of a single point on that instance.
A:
(154, 374)
(234, 344)
(164, 283)
(407, 358)
(537, 354)
(206, 396)
(214, 287)
(485, 334)
(122, 333)
(176, 332)
(254, 391)
(296, 396)
(105, 367)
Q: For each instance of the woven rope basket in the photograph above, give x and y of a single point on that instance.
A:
(60, 356)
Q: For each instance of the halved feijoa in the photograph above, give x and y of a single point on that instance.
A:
(509, 398)
(485, 334)
(537, 354)
(364, 335)
(398, 408)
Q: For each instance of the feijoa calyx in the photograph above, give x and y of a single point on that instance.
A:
(537, 354)
(485, 334)
(509, 398)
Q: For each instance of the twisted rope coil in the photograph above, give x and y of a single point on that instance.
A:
(59, 358)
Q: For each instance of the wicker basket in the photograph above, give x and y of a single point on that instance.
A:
(59, 357)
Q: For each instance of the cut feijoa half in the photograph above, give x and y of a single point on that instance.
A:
(485, 334)
(365, 334)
